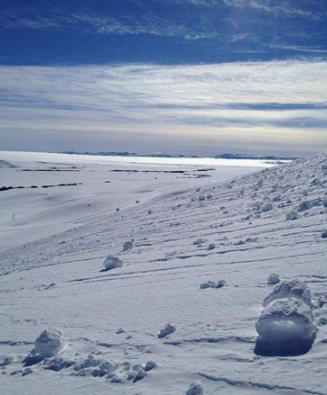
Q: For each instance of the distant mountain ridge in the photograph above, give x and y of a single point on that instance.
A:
(164, 155)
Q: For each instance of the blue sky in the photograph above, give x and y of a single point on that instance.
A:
(181, 76)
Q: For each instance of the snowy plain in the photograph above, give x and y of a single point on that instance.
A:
(188, 223)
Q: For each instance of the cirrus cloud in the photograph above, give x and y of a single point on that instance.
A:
(264, 107)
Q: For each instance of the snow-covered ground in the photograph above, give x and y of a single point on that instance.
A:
(103, 185)
(188, 225)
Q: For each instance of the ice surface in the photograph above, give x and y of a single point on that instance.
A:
(290, 288)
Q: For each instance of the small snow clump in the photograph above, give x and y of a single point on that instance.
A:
(150, 365)
(136, 374)
(266, 207)
(291, 216)
(304, 206)
(196, 389)
(27, 371)
(220, 284)
(208, 284)
(112, 262)
(168, 330)
(288, 289)
(199, 242)
(49, 343)
(128, 245)
(273, 279)
(6, 360)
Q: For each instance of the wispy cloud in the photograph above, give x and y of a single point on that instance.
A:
(206, 19)
(298, 9)
(267, 106)
(12, 18)
(108, 25)
(301, 48)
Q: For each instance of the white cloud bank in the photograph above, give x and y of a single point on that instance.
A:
(267, 107)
